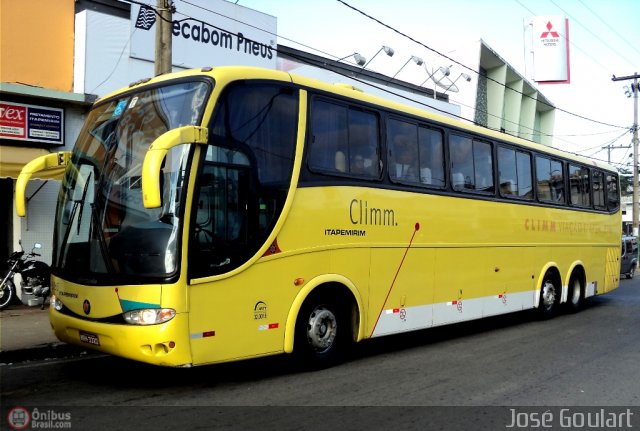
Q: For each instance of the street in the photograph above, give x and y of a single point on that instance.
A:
(586, 359)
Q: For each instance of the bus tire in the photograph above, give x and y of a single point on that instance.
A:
(322, 332)
(575, 300)
(549, 296)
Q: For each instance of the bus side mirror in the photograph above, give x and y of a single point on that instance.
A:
(152, 164)
(50, 166)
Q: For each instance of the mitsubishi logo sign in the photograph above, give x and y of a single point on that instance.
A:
(550, 43)
(543, 35)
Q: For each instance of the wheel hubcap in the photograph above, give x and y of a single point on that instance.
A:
(548, 295)
(321, 329)
(575, 297)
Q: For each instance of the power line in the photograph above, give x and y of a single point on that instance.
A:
(469, 68)
(613, 30)
(345, 74)
(404, 35)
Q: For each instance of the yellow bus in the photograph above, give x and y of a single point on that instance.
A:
(228, 213)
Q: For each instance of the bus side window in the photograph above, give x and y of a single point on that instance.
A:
(507, 171)
(461, 150)
(557, 181)
(472, 161)
(598, 190)
(579, 186)
(483, 166)
(525, 175)
(514, 173)
(550, 180)
(364, 151)
(613, 195)
(328, 146)
(402, 142)
(431, 155)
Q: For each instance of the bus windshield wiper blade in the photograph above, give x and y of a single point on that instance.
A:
(81, 202)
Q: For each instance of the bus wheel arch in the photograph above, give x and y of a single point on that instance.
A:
(323, 321)
(550, 292)
(576, 289)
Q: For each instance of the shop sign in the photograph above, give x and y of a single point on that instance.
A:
(31, 123)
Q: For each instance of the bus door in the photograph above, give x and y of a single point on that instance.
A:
(222, 207)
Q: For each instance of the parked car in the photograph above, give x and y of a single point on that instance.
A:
(629, 258)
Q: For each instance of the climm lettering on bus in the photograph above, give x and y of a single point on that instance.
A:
(361, 213)
(539, 225)
(200, 32)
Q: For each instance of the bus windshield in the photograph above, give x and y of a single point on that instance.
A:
(102, 230)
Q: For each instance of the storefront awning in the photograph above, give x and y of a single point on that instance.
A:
(13, 159)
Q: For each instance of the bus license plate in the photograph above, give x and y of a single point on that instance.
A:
(89, 338)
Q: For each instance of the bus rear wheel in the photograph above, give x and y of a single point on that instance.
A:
(548, 297)
(575, 300)
(322, 332)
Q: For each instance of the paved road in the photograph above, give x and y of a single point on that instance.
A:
(591, 358)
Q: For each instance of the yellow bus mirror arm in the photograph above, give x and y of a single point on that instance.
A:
(44, 163)
(152, 164)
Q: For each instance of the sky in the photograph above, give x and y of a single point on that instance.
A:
(604, 41)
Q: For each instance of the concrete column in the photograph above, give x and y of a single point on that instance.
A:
(495, 96)
(513, 106)
(547, 122)
(528, 114)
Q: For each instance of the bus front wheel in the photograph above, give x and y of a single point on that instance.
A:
(322, 332)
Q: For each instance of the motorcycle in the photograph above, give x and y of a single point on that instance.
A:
(33, 276)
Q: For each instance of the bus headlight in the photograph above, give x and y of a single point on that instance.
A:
(56, 303)
(149, 316)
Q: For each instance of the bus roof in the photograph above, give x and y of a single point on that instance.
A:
(228, 74)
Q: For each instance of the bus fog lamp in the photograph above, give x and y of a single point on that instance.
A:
(149, 316)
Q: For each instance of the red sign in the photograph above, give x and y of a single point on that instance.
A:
(13, 121)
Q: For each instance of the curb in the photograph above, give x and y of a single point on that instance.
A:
(42, 353)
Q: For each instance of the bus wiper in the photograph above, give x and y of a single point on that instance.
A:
(95, 223)
(81, 202)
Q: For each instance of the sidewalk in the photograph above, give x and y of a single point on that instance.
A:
(25, 334)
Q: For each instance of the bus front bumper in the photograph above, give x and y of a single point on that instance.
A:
(165, 344)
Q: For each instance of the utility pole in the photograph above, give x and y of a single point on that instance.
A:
(613, 147)
(634, 90)
(163, 37)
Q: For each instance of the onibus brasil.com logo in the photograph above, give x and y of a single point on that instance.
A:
(20, 418)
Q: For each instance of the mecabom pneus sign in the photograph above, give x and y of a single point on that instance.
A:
(208, 33)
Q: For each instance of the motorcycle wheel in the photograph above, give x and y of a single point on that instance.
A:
(7, 294)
